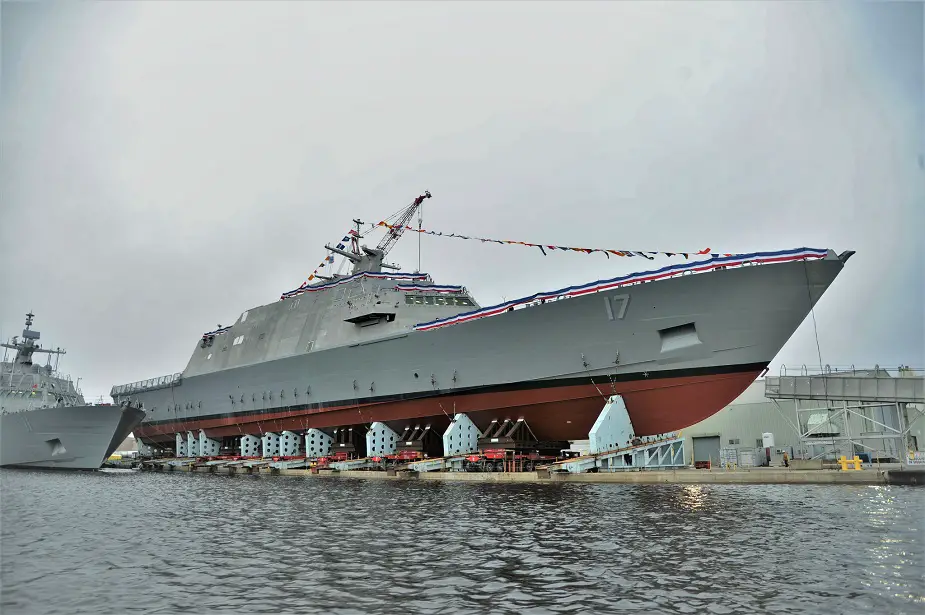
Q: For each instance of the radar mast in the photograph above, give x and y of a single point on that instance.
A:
(367, 259)
(27, 347)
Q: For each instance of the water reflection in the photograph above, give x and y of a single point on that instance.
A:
(91, 543)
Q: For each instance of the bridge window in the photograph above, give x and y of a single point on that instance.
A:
(438, 300)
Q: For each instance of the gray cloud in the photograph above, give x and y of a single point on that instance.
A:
(166, 166)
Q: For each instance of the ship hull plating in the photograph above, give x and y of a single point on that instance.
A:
(662, 402)
(677, 349)
(72, 438)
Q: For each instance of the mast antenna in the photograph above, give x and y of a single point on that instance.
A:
(355, 240)
(420, 221)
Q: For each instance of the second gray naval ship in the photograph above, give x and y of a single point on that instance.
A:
(45, 421)
(386, 348)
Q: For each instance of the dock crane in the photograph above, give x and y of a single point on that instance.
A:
(371, 259)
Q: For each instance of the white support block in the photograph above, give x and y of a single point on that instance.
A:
(181, 445)
(143, 449)
(612, 429)
(317, 443)
(192, 445)
(207, 446)
(250, 446)
(270, 444)
(461, 437)
(290, 444)
(380, 440)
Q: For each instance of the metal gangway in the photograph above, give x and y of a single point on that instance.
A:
(874, 385)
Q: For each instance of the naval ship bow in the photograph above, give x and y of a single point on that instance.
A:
(383, 362)
(44, 419)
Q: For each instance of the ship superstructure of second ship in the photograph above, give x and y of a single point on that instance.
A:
(379, 359)
(45, 421)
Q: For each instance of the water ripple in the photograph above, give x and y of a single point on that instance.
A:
(105, 542)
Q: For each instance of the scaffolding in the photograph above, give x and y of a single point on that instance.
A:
(865, 411)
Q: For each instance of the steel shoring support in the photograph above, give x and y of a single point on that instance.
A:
(612, 428)
(270, 444)
(250, 446)
(381, 440)
(207, 446)
(181, 449)
(192, 444)
(317, 443)
(290, 444)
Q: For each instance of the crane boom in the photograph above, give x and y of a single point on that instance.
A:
(394, 233)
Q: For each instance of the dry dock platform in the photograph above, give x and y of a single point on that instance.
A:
(753, 476)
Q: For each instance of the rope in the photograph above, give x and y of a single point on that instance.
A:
(825, 380)
(433, 384)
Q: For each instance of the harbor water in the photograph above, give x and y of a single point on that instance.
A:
(122, 541)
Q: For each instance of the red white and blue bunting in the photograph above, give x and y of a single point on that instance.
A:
(220, 331)
(305, 288)
(714, 262)
(649, 254)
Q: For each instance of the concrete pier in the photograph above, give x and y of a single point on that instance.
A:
(752, 476)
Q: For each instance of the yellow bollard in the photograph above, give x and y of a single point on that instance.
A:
(843, 461)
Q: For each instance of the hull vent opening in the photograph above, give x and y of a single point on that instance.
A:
(56, 447)
(676, 338)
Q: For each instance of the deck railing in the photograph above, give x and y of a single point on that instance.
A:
(146, 385)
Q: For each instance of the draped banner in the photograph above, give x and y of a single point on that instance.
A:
(543, 247)
(305, 288)
(714, 262)
(217, 332)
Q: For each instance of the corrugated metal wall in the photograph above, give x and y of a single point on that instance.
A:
(740, 424)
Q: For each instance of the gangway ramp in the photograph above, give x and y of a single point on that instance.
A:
(873, 386)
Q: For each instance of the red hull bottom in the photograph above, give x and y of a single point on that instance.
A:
(656, 406)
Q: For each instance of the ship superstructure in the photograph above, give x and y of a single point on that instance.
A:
(46, 422)
(377, 360)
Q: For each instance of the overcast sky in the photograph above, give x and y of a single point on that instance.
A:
(167, 165)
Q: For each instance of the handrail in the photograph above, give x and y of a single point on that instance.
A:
(843, 370)
(142, 385)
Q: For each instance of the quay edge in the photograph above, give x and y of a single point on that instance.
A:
(771, 476)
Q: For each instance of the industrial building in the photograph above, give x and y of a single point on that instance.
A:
(877, 414)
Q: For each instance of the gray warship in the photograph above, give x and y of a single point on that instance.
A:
(44, 419)
(379, 359)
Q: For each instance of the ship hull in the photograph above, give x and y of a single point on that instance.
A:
(67, 438)
(664, 401)
(678, 350)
